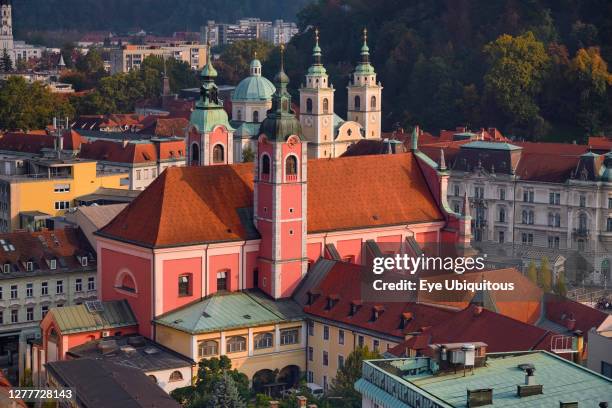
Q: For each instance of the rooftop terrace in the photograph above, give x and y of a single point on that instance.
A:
(405, 382)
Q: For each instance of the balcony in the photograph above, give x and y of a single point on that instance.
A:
(581, 232)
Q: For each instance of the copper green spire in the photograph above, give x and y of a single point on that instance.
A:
(317, 67)
(365, 50)
(364, 67)
(281, 122)
(316, 51)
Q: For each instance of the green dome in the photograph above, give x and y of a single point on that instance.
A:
(254, 88)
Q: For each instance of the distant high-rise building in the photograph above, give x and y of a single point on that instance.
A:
(277, 32)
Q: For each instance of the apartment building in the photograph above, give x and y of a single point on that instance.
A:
(276, 32)
(130, 57)
(141, 157)
(550, 196)
(41, 188)
(39, 271)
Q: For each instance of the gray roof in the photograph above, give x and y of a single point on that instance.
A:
(118, 195)
(77, 318)
(479, 144)
(318, 271)
(102, 384)
(100, 215)
(224, 311)
(133, 351)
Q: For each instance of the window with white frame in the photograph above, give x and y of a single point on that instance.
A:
(44, 288)
(289, 336)
(78, 285)
(29, 290)
(91, 283)
(59, 287)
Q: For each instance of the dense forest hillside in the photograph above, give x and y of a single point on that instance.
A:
(449, 62)
(162, 16)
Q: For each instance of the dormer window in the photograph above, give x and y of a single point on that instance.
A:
(312, 297)
(355, 305)
(406, 318)
(376, 312)
(331, 301)
(53, 264)
(29, 266)
(6, 268)
(83, 261)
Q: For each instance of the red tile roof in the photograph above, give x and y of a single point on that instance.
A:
(199, 204)
(523, 303)
(344, 280)
(133, 153)
(473, 324)
(26, 142)
(26, 246)
(560, 310)
(603, 143)
(157, 126)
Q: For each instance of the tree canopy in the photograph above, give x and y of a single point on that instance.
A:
(535, 69)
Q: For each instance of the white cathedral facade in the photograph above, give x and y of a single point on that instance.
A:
(328, 135)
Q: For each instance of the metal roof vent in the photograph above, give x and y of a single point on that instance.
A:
(151, 350)
(136, 341)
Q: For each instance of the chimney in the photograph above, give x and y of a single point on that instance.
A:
(579, 346)
(570, 322)
(480, 397)
(301, 401)
(477, 310)
(530, 387)
(603, 405)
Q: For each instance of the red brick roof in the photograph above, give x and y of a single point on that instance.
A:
(473, 324)
(344, 280)
(199, 204)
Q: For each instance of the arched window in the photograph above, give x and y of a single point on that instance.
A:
(53, 335)
(195, 154)
(357, 102)
(176, 376)
(125, 282)
(582, 222)
(208, 348)
(265, 166)
(256, 116)
(222, 280)
(373, 102)
(291, 166)
(238, 114)
(236, 344)
(325, 105)
(218, 154)
(309, 105)
(263, 341)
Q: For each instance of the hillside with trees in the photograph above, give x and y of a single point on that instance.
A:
(159, 16)
(537, 69)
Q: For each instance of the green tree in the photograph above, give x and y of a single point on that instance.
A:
(342, 389)
(560, 287)
(591, 83)
(211, 371)
(248, 155)
(532, 272)
(515, 76)
(545, 275)
(26, 106)
(225, 394)
(235, 60)
(179, 72)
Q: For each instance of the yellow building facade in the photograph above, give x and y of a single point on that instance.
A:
(329, 345)
(264, 339)
(49, 190)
